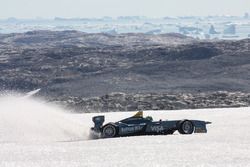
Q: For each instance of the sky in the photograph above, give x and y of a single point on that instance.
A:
(114, 8)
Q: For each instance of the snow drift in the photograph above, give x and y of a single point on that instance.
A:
(24, 118)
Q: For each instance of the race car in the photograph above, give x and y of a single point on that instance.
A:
(139, 125)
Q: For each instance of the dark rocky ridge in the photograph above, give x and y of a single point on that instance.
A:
(74, 64)
(152, 101)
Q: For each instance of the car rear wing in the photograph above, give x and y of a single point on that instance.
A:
(98, 121)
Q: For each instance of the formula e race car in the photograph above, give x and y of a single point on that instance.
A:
(139, 125)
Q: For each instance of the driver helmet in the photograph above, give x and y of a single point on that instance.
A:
(149, 118)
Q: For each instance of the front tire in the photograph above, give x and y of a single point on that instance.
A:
(109, 131)
(186, 127)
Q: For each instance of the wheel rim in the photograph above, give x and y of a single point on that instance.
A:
(109, 131)
(187, 127)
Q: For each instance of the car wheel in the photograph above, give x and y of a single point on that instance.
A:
(109, 131)
(186, 127)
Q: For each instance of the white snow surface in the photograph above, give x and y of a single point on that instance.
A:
(33, 133)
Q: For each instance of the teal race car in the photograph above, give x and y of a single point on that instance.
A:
(139, 125)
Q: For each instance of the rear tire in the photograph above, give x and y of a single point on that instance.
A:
(186, 127)
(109, 131)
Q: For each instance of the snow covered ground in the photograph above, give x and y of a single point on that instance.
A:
(33, 133)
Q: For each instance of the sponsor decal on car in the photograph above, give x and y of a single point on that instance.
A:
(131, 129)
(157, 128)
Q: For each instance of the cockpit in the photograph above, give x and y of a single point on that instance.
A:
(137, 119)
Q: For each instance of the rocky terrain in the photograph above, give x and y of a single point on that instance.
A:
(71, 65)
(132, 102)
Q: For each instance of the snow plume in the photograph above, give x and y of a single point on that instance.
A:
(24, 118)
